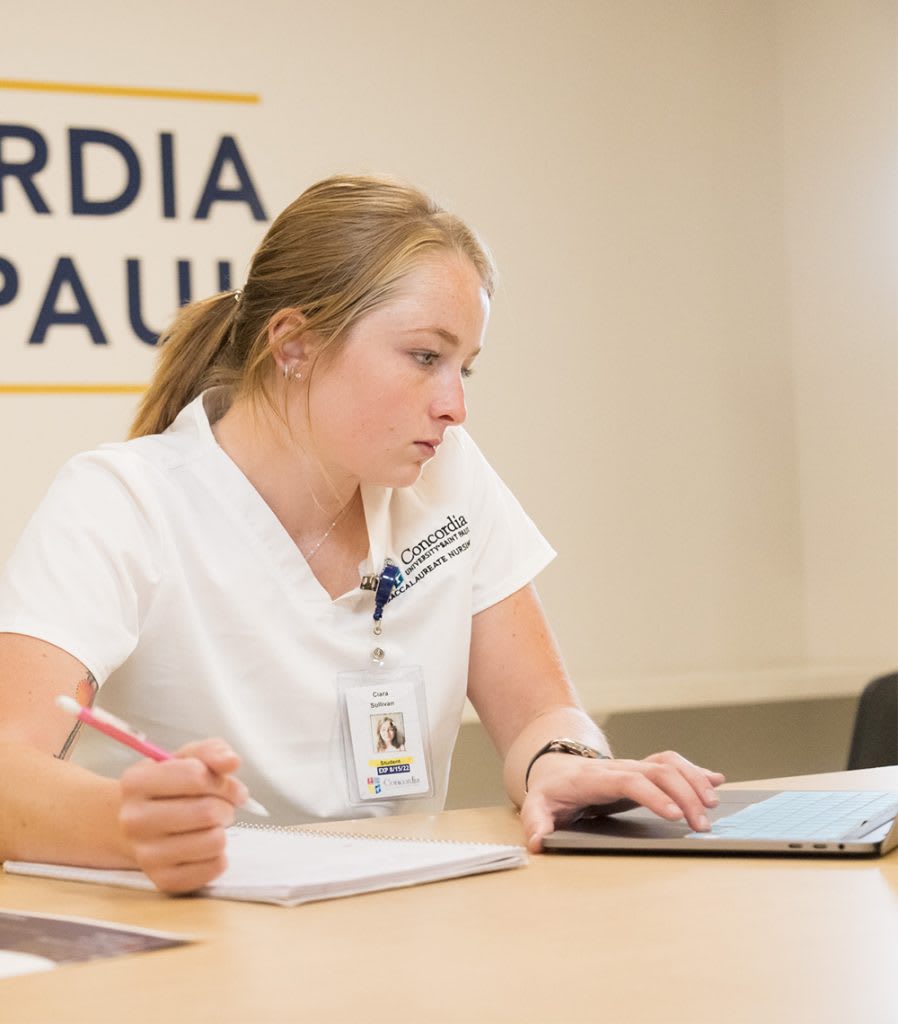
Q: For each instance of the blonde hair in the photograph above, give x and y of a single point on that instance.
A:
(334, 254)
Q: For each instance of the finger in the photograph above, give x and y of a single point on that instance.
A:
(178, 879)
(215, 753)
(183, 863)
(674, 782)
(156, 819)
(184, 848)
(651, 786)
(703, 780)
(179, 777)
(635, 784)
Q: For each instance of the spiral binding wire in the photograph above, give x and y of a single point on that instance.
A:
(302, 830)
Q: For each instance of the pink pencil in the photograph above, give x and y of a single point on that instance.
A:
(114, 727)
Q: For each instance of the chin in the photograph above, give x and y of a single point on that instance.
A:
(404, 477)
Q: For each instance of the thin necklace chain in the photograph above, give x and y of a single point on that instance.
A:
(327, 532)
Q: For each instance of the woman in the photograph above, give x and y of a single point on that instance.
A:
(296, 512)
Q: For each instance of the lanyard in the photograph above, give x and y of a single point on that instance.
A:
(383, 586)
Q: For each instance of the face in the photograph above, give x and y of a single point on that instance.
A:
(379, 406)
(387, 731)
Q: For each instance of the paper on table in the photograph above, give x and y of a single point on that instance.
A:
(40, 942)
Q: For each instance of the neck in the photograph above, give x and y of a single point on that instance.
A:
(283, 468)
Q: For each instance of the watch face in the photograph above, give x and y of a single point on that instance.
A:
(574, 747)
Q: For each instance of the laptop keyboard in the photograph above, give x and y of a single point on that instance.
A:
(807, 815)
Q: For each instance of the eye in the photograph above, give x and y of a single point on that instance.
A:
(467, 372)
(426, 358)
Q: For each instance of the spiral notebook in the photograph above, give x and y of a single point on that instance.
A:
(292, 866)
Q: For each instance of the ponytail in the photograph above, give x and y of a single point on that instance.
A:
(189, 358)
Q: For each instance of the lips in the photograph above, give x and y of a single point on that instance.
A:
(429, 446)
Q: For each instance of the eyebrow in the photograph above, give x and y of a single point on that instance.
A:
(441, 331)
(447, 336)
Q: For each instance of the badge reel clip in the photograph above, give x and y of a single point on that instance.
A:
(383, 586)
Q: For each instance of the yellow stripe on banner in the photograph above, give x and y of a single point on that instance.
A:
(72, 389)
(131, 90)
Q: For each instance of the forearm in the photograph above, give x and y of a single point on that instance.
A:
(565, 721)
(55, 811)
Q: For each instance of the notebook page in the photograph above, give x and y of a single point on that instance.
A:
(291, 867)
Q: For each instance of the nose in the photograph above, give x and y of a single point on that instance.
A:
(449, 404)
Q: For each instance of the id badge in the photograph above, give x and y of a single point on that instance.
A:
(386, 739)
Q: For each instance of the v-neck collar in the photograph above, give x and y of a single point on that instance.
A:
(262, 528)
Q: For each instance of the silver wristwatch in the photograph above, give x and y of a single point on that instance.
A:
(563, 746)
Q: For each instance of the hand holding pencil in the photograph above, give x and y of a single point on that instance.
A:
(175, 807)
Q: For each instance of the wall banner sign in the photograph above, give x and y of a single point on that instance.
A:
(118, 204)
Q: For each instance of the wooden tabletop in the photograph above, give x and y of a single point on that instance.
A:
(610, 939)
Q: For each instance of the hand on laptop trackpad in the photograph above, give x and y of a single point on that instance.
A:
(639, 823)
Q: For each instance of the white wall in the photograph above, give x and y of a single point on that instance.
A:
(840, 102)
(690, 378)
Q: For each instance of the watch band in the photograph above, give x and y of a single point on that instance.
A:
(563, 746)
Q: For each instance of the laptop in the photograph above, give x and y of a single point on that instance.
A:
(828, 823)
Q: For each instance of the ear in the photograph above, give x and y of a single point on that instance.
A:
(290, 345)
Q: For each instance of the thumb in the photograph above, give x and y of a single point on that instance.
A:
(537, 821)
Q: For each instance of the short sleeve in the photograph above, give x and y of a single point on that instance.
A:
(508, 551)
(84, 571)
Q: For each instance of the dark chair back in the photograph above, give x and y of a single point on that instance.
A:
(874, 741)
